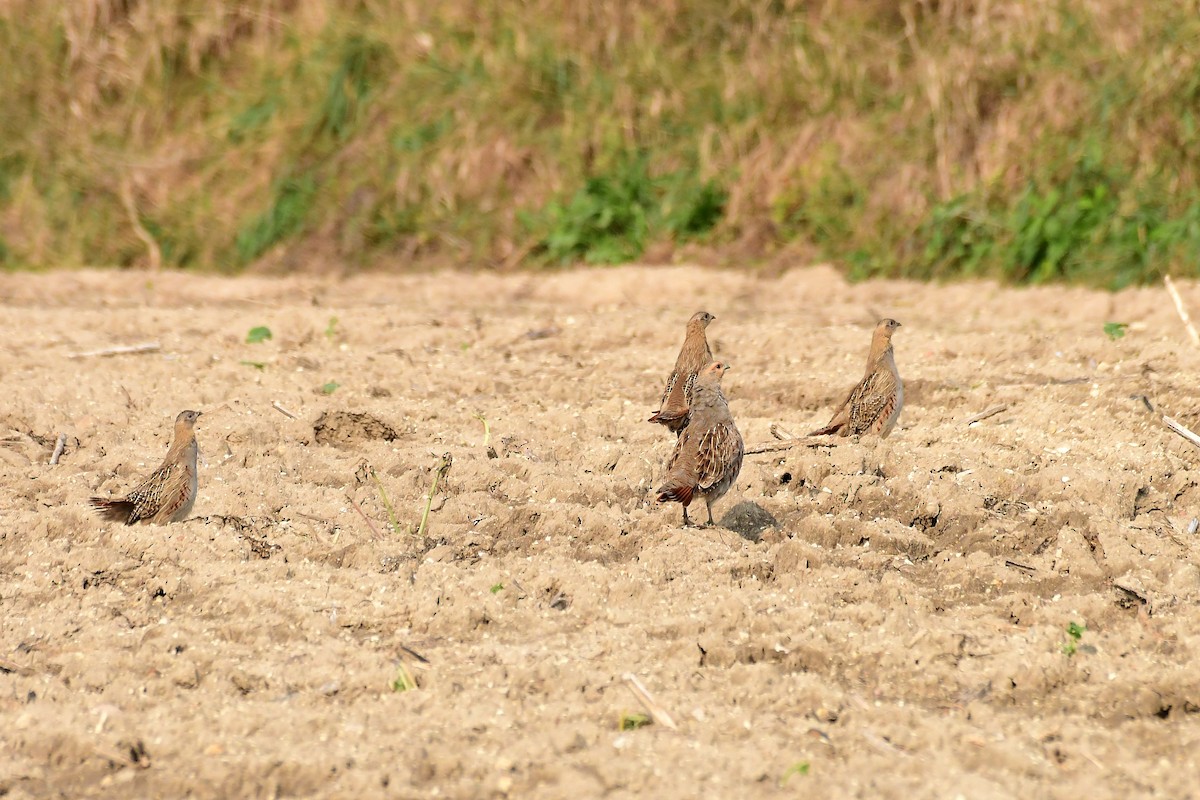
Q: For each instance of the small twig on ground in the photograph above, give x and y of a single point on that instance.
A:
(1181, 430)
(438, 474)
(1181, 310)
(362, 514)
(779, 433)
(386, 503)
(652, 706)
(275, 405)
(987, 412)
(1016, 565)
(883, 745)
(121, 350)
(772, 447)
(58, 449)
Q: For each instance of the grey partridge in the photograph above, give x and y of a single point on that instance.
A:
(874, 405)
(693, 357)
(170, 492)
(708, 454)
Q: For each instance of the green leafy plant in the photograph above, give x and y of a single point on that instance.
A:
(1074, 634)
(632, 720)
(258, 365)
(331, 328)
(616, 213)
(258, 334)
(330, 387)
(1115, 330)
(496, 588)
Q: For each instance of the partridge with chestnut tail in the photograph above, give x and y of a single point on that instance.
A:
(874, 405)
(708, 454)
(170, 492)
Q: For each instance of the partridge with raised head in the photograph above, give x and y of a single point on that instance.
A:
(708, 454)
(693, 357)
(874, 405)
(170, 492)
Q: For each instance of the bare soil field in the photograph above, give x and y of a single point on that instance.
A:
(1009, 608)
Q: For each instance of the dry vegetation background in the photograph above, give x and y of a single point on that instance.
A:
(1029, 141)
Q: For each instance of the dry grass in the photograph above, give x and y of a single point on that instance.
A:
(1028, 140)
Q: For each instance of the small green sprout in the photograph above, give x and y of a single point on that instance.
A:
(497, 588)
(259, 334)
(258, 365)
(799, 768)
(631, 721)
(404, 680)
(1115, 330)
(1075, 632)
(330, 387)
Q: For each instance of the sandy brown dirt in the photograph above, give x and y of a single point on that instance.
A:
(902, 630)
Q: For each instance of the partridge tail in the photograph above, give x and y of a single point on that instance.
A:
(675, 493)
(669, 416)
(113, 508)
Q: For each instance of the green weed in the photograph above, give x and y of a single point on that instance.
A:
(632, 720)
(260, 333)
(405, 681)
(799, 768)
(1074, 634)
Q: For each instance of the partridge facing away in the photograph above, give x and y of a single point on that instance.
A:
(170, 492)
(874, 405)
(693, 357)
(708, 454)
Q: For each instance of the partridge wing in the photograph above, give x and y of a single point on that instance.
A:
(149, 497)
(872, 401)
(719, 454)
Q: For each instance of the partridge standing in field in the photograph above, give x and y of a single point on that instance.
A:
(875, 403)
(170, 492)
(693, 356)
(708, 454)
